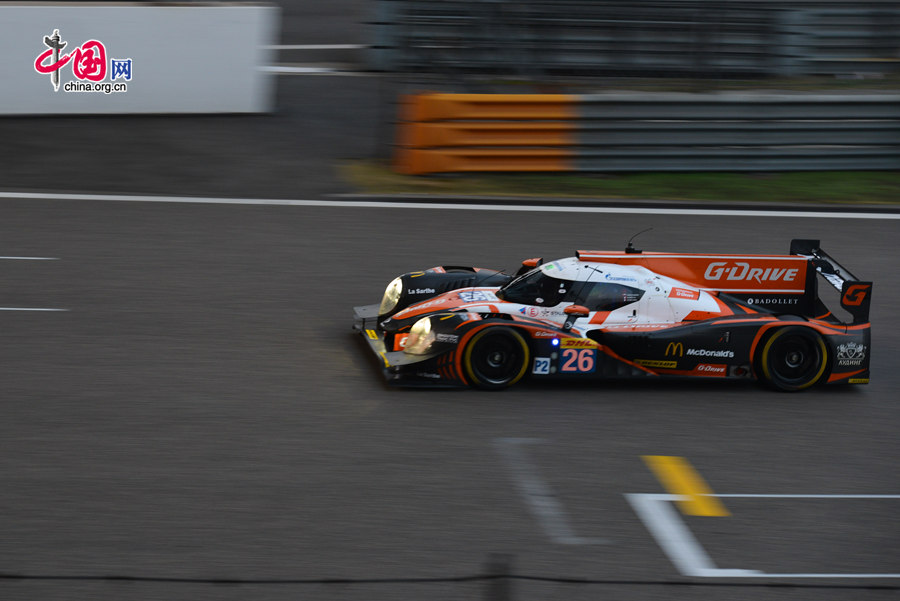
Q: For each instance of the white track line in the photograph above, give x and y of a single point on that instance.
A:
(688, 555)
(28, 309)
(673, 536)
(538, 495)
(379, 204)
(29, 259)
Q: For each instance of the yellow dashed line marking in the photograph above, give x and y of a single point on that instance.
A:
(679, 478)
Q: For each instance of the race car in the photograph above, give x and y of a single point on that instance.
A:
(624, 314)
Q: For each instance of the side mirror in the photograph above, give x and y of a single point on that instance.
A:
(577, 311)
(528, 265)
(574, 312)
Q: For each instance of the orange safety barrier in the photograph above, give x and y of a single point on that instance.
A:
(416, 161)
(468, 107)
(432, 135)
(444, 133)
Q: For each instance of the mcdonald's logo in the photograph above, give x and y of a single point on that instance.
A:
(675, 349)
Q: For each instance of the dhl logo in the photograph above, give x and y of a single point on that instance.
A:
(577, 343)
(675, 349)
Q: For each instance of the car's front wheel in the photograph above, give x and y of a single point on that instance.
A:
(496, 358)
(794, 358)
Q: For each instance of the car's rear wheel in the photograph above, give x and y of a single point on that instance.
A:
(794, 358)
(496, 358)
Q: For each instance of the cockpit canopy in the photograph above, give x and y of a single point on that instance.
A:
(548, 286)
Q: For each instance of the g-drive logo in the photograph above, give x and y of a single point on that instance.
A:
(741, 271)
(89, 66)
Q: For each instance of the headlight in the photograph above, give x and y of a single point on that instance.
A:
(391, 296)
(421, 337)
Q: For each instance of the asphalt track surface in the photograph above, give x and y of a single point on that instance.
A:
(202, 411)
(201, 423)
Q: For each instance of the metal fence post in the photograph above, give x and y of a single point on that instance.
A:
(499, 584)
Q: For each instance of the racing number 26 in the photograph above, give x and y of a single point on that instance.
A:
(579, 360)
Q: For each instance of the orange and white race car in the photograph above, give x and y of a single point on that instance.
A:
(604, 314)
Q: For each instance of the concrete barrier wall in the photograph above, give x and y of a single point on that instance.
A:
(627, 132)
(185, 58)
(656, 38)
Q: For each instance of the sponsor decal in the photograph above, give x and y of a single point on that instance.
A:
(741, 271)
(684, 293)
(776, 300)
(675, 349)
(400, 341)
(423, 305)
(656, 363)
(835, 280)
(851, 354)
(707, 369)
(477, 296)
(855, 295)
(89, 66)
(614, 278)
(451, 338)
(543, 334)
(699, 352)
(421, 291)
(541, 366)
(858, 380)
(646, 326)
(530, 311)
(429, 375)
(578, 343)
(540, 312)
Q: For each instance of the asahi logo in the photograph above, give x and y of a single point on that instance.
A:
(741, 271)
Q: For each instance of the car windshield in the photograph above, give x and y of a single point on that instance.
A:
(535, 288)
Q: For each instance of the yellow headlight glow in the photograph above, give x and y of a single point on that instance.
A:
(420, 338)
(391, 296)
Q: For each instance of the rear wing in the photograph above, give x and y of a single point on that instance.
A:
(856, 295)
(777, 283)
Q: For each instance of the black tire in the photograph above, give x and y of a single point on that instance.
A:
(496, 358)
(794, 358)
